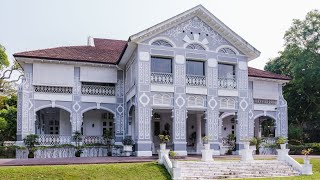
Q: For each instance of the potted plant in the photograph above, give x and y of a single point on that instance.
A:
(77, 139)
(282, 141)
(107, 137)
(258, 145)
(205, 141)
(30, 142)
(127, 145)
(306, 152)
(173, 155)
(253, 143)
(164, 139)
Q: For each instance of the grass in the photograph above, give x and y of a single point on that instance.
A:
(93, 171)
(127, 171)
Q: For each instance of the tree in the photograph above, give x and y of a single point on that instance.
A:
(6, 72)
(8, 113)
(300, 60)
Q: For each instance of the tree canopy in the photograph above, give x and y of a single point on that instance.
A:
(300, 60)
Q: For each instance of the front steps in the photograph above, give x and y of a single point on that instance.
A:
(234, 169)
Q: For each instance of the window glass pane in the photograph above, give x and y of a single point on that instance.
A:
(162, 65)
(226, 70)
(195, 68)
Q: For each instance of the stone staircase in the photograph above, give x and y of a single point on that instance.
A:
(234, 169)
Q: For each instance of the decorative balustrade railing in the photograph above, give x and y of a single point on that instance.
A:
(268, 141)
(98, 90)
(53, 139)
(161, 78)
(196, 80)
(227, 142)
(227, 83)
(92, 140)
(265, 101)
(53, 89)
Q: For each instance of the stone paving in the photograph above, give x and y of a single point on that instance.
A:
(106, 160)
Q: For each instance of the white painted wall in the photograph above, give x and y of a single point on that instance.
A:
(227, 126)
(92, 117)
(65, 125)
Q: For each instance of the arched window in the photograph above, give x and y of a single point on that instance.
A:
(161, 43)
(195, 46)
(227, 50)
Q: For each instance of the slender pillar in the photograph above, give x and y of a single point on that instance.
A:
(199, 142)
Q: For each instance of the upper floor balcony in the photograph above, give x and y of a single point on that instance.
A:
(161, 73)
(97, 89)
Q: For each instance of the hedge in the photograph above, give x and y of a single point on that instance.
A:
(296, 149)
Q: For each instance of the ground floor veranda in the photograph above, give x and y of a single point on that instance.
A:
(53, 126)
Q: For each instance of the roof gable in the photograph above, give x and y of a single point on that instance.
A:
(209, 19)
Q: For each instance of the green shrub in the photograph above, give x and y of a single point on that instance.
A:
(281, 140)
(253, 141)
(295, 132)
(296, 149)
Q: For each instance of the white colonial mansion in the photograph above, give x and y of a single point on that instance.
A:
(187, 77)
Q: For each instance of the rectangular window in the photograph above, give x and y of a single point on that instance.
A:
(195, 68)
(226, 70)
(161, 65)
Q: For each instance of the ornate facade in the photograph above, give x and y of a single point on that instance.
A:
(187, 77)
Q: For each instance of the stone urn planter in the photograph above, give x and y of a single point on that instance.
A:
(282, 146)
(246, 145)
(206, 146)
(163, 146)
(127, 149)
(127, 146)
(306, 160)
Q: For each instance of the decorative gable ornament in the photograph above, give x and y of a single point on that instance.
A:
(205, 22)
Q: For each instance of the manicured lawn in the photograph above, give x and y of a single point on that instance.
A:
(110, 171)
(93, 171)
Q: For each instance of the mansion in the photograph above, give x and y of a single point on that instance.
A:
(187, 77)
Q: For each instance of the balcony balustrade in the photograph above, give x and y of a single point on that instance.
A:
(195, 80)
(55, 139)
(227, 83)
(161, 78)
(265, 101)
(98, 90)
(53, 89)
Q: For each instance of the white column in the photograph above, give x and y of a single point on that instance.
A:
(198, 133)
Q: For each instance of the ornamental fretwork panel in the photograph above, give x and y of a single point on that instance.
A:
(195, 80)
(161, 78)
(265, 101)
(98, 90)
(53, 89)
(227, 83)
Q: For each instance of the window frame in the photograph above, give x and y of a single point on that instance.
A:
(230, 64)
(163, 58)
(200, 61)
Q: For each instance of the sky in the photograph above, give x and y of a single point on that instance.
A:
(38, 24)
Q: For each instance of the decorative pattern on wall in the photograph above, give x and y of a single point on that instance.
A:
(180, 124)
(196, 101)
(227, 103)
(162, 99)
(195, 23)
(226, 51)
(161, 43)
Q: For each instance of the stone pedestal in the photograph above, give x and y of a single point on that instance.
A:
(282, 153)
(246, 153)
(206, 153)
(161, 153)
(306, 169)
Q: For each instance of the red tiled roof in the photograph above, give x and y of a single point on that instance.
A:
(108, 51)
(253, 72)
(105, 51)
